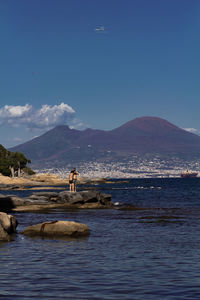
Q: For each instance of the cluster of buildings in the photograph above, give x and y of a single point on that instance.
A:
(147, 166)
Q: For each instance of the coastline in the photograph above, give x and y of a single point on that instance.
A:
(42, 181)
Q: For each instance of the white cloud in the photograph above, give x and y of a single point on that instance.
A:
(193, 130)
(100, 29)
(44, 118)
(77, 124)
(8, 112)
(17, 139)
(50, 116)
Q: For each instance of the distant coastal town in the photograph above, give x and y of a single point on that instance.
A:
(138, 167)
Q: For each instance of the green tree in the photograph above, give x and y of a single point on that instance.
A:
(11, 162)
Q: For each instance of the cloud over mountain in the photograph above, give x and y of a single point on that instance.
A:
(44, 118)
(193, 130)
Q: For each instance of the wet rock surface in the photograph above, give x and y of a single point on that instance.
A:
(10, 187)
(8, 225)
(48, 200)
(60, 229)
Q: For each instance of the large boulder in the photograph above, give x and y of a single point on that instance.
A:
(8, 202)
(64, 229)
(84, 197)
(8, 225)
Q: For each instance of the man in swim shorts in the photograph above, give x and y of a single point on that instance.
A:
(75, 175)
(73, 180)
(71, 184)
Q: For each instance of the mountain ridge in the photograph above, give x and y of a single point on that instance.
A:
(141, 135)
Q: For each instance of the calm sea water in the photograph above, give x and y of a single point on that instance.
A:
(152, 252)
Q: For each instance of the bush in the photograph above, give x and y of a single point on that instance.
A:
(28, 171)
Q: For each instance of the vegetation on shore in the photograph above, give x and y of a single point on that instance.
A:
(13, 163)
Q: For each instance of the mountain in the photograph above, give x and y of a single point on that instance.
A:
(63, 145)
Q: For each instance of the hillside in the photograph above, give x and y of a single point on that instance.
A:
(141, 135)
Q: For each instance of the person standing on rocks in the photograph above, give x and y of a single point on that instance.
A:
(71, 183)
(75, 175)
(73, 180)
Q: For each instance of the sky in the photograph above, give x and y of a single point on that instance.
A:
(97, 64)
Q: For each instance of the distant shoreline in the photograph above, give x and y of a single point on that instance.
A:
(52, 181)
(43, 181)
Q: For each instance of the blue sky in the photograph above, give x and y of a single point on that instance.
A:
(97, 64)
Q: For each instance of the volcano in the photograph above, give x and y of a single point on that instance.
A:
(61, 144)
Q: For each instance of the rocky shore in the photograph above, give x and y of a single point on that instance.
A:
(41, 180)
(52, 229)
(46, 200)
(38, 201)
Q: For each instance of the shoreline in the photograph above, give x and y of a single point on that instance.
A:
(47, 181)
(43, 181)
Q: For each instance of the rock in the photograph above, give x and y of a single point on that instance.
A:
(34, 198)
(70, 198)
(85, 197)
(37, 179)
(16, 201)
(45, 194)
(106, 199)
(48, 179)
(8, 202)
(8, 225)
(4, 236)
(90, 196)
(49, 200)
(57, 229)
(8, 222)
(10, 187)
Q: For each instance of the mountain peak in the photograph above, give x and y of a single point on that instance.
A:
(148, 123)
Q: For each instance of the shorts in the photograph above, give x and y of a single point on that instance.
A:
(70, 181)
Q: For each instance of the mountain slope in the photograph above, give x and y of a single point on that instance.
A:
(147, 134)
(141, 135)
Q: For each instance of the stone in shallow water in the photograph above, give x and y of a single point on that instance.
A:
(8, 225)
(57, 229)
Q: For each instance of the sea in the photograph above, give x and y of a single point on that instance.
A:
(147, 247)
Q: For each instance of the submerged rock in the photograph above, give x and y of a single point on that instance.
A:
(57, 229)
(8, 225)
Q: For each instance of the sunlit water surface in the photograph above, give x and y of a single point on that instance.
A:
(152, 252)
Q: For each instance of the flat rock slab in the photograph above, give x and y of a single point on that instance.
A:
(10, 187)
(60, 229)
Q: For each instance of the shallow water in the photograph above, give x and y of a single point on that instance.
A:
(152, 252)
